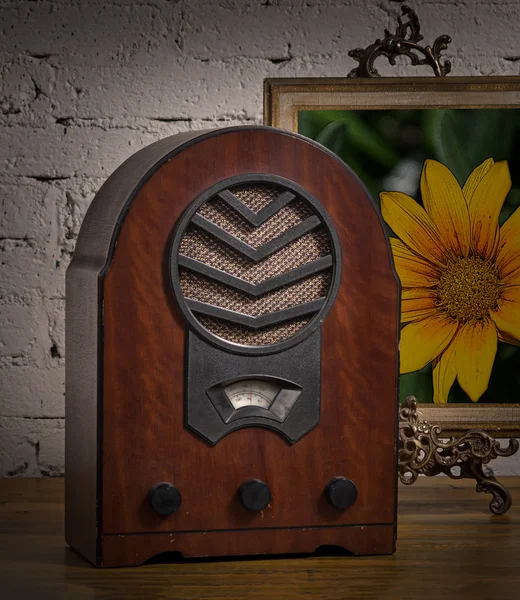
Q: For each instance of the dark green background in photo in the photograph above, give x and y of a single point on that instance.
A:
(387, 148)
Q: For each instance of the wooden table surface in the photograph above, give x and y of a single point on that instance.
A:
(449, 546)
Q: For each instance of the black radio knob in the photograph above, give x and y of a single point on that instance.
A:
(341, 492)
(254, 494)
(164, 498)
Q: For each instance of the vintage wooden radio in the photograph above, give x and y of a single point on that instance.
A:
(232, 353)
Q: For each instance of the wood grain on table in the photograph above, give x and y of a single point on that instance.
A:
(449, 546)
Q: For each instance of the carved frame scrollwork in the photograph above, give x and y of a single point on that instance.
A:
(423, 450)
(404, 42)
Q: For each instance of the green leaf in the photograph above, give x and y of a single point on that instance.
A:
(360, 136)
(418, 384)
(505, 213)
(333, 136)
(511, 204)
(371, 183)
(311, 122)
(505, 351)
(513, 198)
(458, 396)
(463, 139)
(368, 141)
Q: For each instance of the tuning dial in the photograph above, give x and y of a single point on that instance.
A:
(164, 498)
(254, 494)
(341, 492)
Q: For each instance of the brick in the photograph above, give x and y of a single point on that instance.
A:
(279, 32)
(490, 30)
(26, 211)
(25, 267)
(31, 447)
(32, 390)
(86, 83)
(193, 89)
(56, 330)
(93, 151)
(90, 33)
(23, 326)
(54, 152)
(28, 237)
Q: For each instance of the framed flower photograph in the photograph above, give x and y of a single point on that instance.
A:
(441, 160)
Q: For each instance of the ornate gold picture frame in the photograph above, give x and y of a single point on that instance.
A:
(286, 99)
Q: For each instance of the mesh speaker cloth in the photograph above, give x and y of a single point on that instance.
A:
(211, 251)
(200, 288)
(202, 247)
(225, 217)
(256, 196)
(239, 334)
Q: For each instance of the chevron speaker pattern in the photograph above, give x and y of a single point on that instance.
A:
(255, 263)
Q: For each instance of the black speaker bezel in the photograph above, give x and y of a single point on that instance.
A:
(173, 262)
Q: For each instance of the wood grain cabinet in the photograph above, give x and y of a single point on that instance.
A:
(232, 352)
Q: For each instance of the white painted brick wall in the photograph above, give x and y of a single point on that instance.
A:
(86, 83)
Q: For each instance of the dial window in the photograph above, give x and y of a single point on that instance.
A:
(252, 392)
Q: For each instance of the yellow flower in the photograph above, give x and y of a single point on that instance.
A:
(460, 274)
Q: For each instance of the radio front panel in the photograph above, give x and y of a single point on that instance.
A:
(232, 310)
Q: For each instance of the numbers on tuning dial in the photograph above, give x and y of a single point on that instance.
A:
(252, 392)
(256, 396)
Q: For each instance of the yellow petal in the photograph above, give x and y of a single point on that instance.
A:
(417, 303)
(507, 315)
(508, 255)
(444, 373)
(475, 350)
(485, 206)
(474, 179)
(422, 341)
(444, 202)
(408, 315)
(413, 225)
(513, 278)
(508, 340)
(413, 271)
(418, 293)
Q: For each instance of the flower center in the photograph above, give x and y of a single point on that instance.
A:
(468, 288)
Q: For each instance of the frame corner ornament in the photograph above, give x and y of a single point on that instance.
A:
(424, 451)
(404, 42)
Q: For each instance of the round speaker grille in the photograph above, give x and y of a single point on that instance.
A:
(254, 261)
